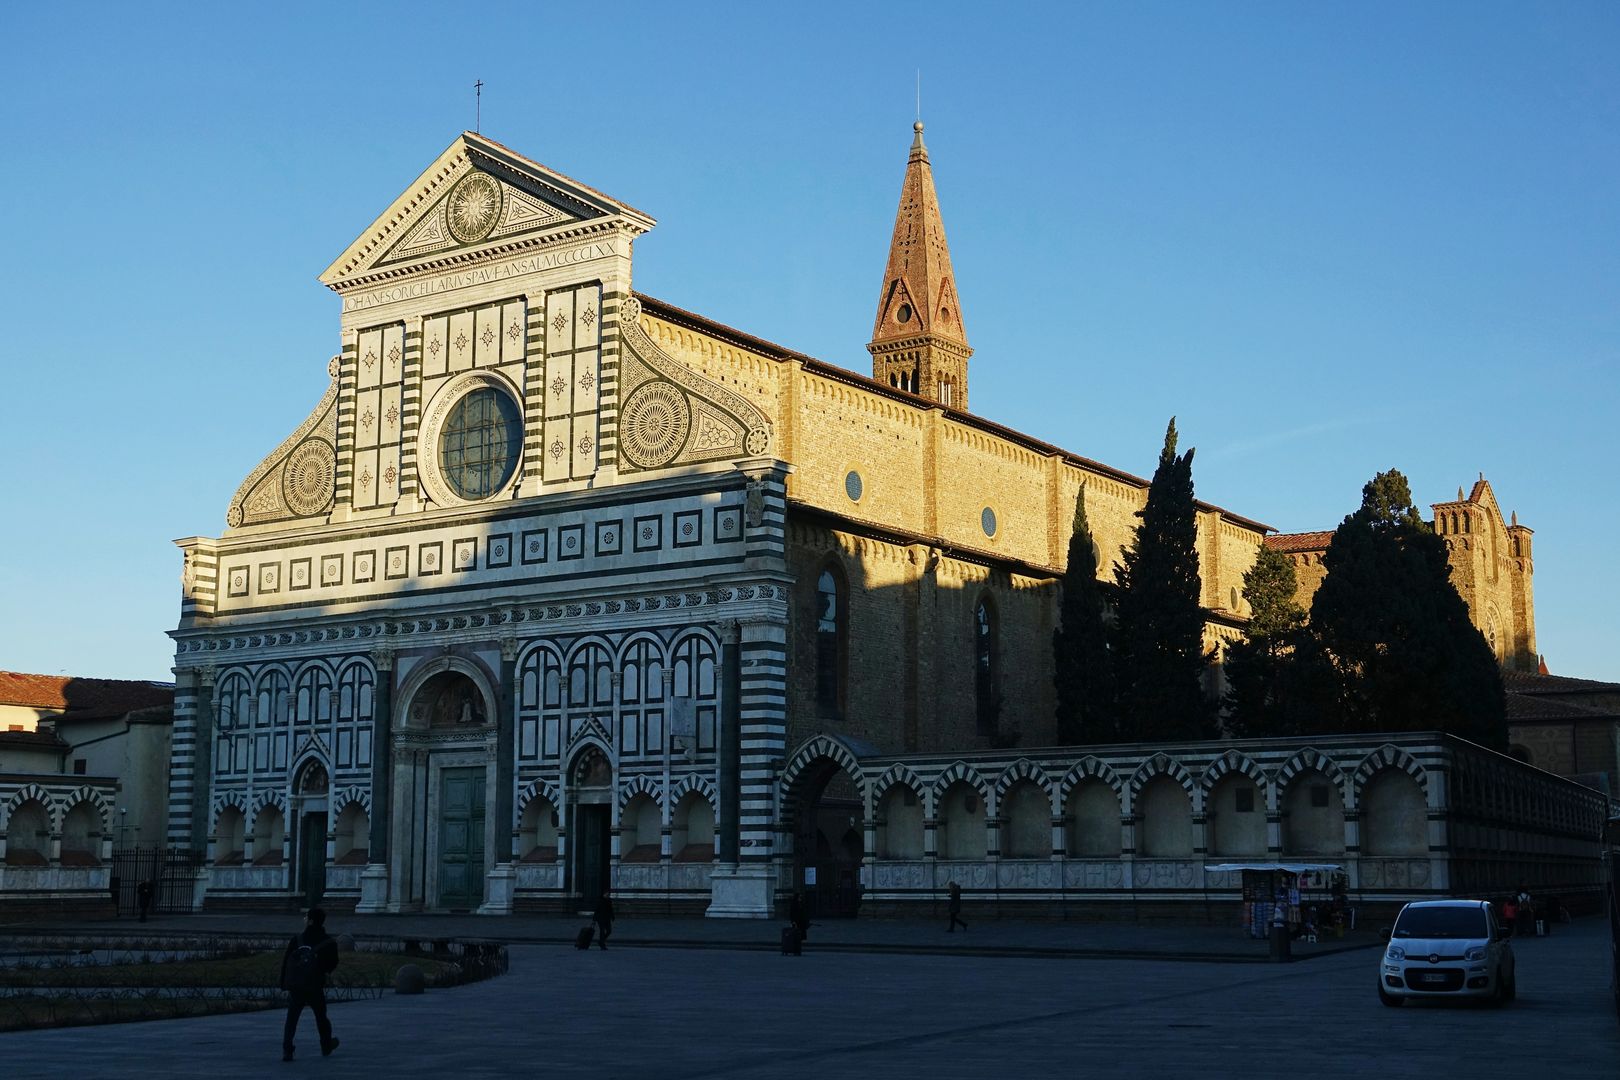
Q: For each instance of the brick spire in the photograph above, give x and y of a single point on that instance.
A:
(918, 342)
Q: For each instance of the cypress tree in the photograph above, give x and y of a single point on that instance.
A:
(1082, 665)
(1263, 696)
(1394, 634)
(1159, 635)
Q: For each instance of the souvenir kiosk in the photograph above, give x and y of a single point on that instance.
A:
(1312, 896)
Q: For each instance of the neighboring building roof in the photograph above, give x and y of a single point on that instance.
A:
(1531, 682)
(1523, 707)
(31, 740)
(76, 698)
(662, 309)
(1289, 543)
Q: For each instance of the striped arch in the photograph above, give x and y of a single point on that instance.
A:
(1230, 762)
(1022, 769)
(34, 792)
(341, 667)
(268, 798)
(230, 798)
(600, 640)
(539, 645)
(1089, 767)
(639, 785)
(316, 662)
(1306, 760)
(1388, 756)
(901, 774)
(544, 789)
(590, 736)
(354, 794)
(960, 771)
(618, 654)
(679, 639)
(693, 782)
(1162, 765)
(262, 675)
(230, 801)
(821, 747)
(94, 798)
(315, 750)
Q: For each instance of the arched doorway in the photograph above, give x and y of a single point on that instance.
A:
(590, 809)
(443, 784)
(828, 839)
(311, 792)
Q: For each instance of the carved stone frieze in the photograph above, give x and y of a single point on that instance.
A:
(401, 628)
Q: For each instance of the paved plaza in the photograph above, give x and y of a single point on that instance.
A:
(716, 1011)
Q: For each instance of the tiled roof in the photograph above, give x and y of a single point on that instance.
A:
(1288, 543)
(83, 698)
(1522, 707)
(1530, 682)
(31, 740)
(662, 309)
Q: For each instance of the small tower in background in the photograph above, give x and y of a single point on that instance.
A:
(918, 342)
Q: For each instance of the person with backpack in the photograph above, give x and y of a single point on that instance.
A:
(310, 957)
(953, 907)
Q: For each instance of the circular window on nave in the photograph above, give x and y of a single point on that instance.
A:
(481, 443)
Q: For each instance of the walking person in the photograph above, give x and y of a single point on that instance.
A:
(310, 957)
(1526, 914)
(603, 917)
(954, 907)
(143, 899)
(797, 916)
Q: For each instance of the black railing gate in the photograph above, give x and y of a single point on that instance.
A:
(172, 873)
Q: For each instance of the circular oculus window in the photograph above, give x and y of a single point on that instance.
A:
(470, 444)
(480, 443)
(987, 521)
(903, 313)
(852, 486)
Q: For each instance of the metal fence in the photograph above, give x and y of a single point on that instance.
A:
(171, 873)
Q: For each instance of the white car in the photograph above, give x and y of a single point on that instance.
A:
(1447, 949)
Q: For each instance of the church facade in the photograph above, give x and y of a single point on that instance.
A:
(561, 588)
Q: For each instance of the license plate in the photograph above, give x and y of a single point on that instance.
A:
(1432, 977)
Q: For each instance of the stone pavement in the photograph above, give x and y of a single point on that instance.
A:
(986, 937)
(733, 1013)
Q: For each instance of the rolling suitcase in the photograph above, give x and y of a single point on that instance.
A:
(582, 940)
(791, 942)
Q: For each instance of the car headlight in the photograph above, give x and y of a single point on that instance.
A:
(1475, 953)
(1395, 953)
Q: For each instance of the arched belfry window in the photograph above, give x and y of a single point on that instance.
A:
(832, 621)
(986, 666)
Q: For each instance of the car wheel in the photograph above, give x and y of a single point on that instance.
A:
(1510, 989)
(1394, 1001)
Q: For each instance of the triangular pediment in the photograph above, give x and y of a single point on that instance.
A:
(477, 195)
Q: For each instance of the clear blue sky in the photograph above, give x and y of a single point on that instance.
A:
(1330, 238)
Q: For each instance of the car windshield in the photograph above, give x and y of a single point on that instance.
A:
(1441, 922)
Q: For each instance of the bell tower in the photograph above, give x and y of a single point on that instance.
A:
(918, 342)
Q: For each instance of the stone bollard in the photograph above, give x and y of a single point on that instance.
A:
(345, 942)
(409, 980)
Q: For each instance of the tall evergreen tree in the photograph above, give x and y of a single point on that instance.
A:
(1082, 664)
(1395, 636)
(1159, 634)
(1264, 696)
